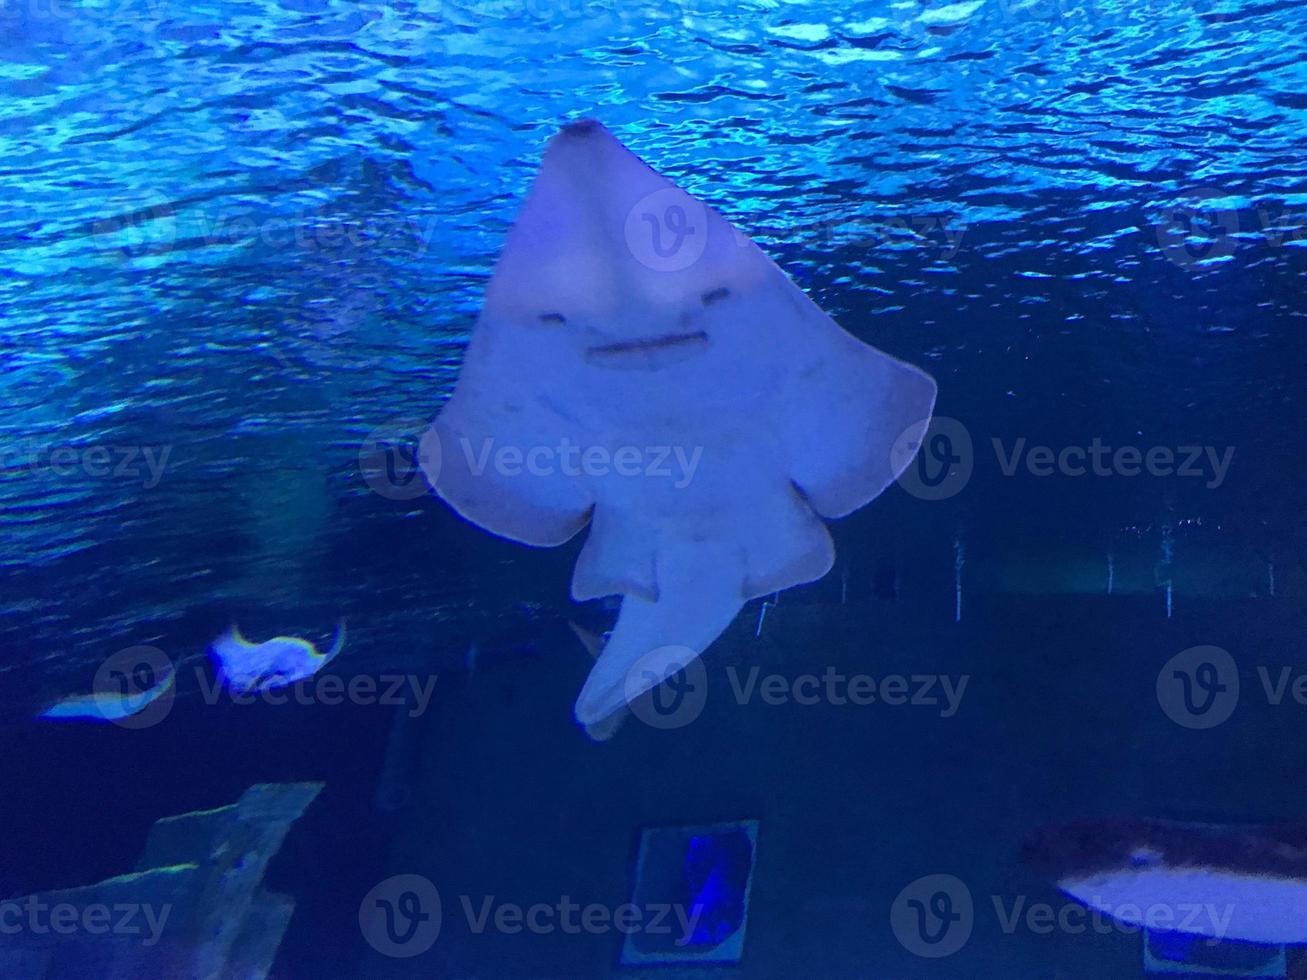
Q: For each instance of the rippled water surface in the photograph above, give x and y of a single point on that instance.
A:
(242, 246)
(237, 238)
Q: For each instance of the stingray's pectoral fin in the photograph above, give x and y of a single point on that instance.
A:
(870, 409)
(338, 645)
(700, 590)
(537, 505)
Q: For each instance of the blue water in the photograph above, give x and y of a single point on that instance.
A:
(236, 239)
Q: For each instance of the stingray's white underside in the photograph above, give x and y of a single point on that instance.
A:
(1216, 903)
(722, 412)
(107, 706)
(243, 666)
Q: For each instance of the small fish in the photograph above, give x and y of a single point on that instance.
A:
(113, 706)
(1221, 881)
(243, 666)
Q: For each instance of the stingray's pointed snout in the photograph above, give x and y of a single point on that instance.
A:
(581, 128)
(580, 149)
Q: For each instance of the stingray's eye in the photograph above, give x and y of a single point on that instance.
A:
(553, 318)
(715, 295)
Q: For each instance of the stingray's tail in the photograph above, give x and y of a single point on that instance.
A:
(338, 645)
(605, 729)
(699, 593)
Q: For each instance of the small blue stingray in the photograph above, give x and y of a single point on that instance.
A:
(111, 705)
(243, 666)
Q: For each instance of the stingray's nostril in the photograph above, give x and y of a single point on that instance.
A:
(713, 295)
(552, 318)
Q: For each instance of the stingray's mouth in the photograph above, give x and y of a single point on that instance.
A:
(648, 352)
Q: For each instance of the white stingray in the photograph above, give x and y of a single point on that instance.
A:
(111, 705)
(1218, 903)
(1221, 881)
(243, 666)
(641, 367)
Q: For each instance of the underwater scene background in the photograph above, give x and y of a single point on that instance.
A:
(242, 249)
